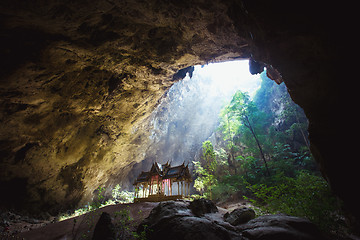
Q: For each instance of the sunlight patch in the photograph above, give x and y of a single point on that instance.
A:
(227, 77)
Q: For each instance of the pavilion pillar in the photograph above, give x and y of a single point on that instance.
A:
(178, 188)
(182, 188)
(158, 186)
(168, 187)
(185, 190)
(170, 190)
(189, 189)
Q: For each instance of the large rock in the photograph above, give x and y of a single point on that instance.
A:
(199, 207)
(167, 210)
(104, 229)
(278, 227)
(239, 216)
(175, 220)
(190, 228)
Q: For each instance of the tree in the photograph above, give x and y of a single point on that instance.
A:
(244, 110)
(230, 127)
(209, 155)
(206, 178)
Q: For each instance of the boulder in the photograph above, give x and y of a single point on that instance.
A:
(184, 220)
(277, 227)
(190, 228)
(199, 207)
(239, 216)
(104, 229)
(181, 220)
(165, 210)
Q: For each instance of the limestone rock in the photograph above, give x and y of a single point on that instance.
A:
(167, 210)
(80, 83)
(275, 227)
(201, 206)
(104, 229)
(239, 216)
(174, 220)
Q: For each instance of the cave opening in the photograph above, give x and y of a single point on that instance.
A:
(81, 83)
(194, 110)
(244, 140)
(189, 111)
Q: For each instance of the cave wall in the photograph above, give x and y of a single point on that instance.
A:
(79, 81)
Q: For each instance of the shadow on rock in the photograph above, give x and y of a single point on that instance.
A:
(200, 220)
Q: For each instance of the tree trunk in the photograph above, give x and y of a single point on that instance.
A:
(231, 159)
(302, 133)
(258, 144)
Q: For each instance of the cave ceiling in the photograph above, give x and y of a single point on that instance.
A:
(80, 80)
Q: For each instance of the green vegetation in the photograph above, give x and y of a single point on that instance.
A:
(125, 224)
(99, 201)
(206, 179)
(305, 195)
(264, 156)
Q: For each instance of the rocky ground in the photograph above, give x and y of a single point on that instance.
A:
(81, 227)
(199, 219)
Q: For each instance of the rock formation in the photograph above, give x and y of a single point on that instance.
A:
(177, 220)
(79, 80)
(80, 83)
(239, 216)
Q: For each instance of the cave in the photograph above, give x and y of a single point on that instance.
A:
(79, 81)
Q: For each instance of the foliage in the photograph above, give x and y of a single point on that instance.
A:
(265, 156)
(118, 196)
(306, 195)
(124, 224)
(122, 196)
(209, 156)
(227, 186)
(246, 116)
(99, 198)
(206, 179)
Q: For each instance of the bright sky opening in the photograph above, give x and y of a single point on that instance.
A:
(228, 77)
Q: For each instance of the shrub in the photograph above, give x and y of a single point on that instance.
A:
(122, 196)
(306, 195)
